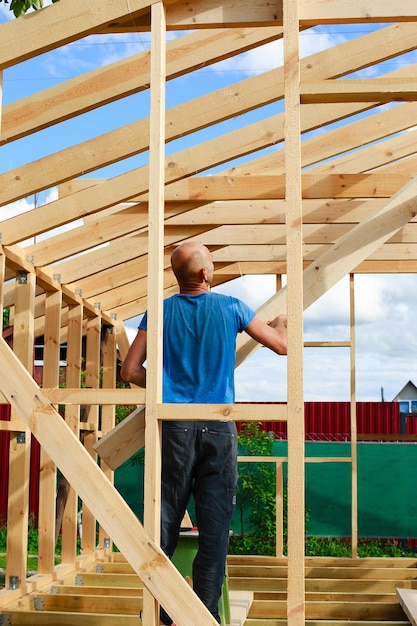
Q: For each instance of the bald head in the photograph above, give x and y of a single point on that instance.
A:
(192, 265)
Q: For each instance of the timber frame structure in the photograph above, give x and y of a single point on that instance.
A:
(313, 207)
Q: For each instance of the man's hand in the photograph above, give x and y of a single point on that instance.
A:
(279, 322)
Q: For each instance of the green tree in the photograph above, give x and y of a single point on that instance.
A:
(20, 7)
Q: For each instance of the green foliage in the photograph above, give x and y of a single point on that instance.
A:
(122, 411)
(6, 312)
(20, 7)
(256, 494)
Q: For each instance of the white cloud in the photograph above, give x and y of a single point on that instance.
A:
(385, 340)
(271, 55)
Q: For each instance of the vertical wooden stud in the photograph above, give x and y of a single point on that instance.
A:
(48, 473)
(279, 533)
(295, 404)
(72, 417)
(92, 379)
(109, 361)
(152, 481)
(20, 442)
(353, 420)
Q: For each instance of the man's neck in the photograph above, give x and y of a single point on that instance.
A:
(194, 290)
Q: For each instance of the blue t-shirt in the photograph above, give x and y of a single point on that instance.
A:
(199, 347)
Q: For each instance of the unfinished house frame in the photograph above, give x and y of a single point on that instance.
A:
(268, 196)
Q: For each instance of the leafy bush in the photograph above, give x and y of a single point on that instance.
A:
(255, 500)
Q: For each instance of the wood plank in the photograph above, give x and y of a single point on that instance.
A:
(325, 622)
(48, 475)
(57, 618)
(123, 441)
(362, 11)
(91, 414)
(72, 419)
(206, 15)
(408, 601)
(324, 585)
(294, 608)
(153, 430)
(84, 395)
(108, 413)
(203, 14)
(20, 443)
(330, 610)
(359, 90)
(82, 603)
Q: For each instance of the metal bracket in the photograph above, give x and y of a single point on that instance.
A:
(79, 580)
(78, 292)
(22, 277)
(97, 305)
(5, 620)
(21, 437)
(106, 542)
(30, 258)
(99, 569)
(39, 603)
(57, 277)
(14, 582)
(55, 591)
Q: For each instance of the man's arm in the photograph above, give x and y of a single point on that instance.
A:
(272, 335)
(132, 370)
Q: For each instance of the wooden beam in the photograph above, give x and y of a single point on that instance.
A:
(102, 397)
(359, 90)
(123, 441)
(20, 443)
(48, 474)
(295, 605)
(363, 11)
(153, 430)
(72, 419)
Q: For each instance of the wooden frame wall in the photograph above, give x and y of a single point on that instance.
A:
(309, 210)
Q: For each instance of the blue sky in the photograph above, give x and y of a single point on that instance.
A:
(386, 342)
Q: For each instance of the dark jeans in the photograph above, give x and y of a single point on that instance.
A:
(200, 458)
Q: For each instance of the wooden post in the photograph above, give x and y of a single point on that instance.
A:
(353, 420)
(295, 404)
(48, 473)
(89, 438)
(109, 360)
(279, 499)
(20, 442)
(72, 417)
(152, 477)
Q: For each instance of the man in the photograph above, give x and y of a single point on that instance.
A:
(200, 457)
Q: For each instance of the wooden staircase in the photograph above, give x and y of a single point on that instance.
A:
(339, 592)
